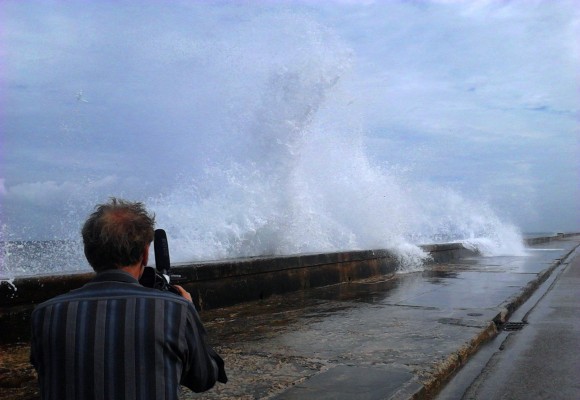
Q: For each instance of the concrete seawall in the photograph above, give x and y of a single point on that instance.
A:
(227, 282)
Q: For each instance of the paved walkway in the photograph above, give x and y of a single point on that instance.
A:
(375, 339)
(540, 361)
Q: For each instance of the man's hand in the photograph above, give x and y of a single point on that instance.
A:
(184, 293)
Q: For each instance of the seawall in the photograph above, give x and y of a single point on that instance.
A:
(226, 282)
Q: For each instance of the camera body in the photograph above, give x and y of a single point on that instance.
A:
(159, 277)
(156, 280)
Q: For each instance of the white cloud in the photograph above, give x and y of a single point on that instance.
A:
(47, 193)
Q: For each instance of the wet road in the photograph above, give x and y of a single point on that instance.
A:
(541, 360)
(374, 339)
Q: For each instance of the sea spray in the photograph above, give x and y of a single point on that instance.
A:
(245, 140)
(307, 188)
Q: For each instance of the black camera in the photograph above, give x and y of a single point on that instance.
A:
(159, 277)
(156, 280)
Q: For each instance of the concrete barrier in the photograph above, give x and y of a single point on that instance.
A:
(546, 239)
(242, 279)
(226, 282)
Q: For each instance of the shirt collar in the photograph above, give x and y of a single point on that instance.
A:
(115, 275)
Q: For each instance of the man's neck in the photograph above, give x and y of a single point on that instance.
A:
(135, 270)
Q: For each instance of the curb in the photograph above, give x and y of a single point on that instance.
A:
(511, 304)
(446, 369)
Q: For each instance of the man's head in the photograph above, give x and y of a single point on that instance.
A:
(117, 234)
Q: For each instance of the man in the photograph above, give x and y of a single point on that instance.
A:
(113, 338)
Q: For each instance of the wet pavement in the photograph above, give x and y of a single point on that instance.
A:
(374, 339)
(538, 358)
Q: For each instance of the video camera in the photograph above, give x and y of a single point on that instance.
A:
(160, 276)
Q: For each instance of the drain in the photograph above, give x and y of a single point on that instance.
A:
(513, 326)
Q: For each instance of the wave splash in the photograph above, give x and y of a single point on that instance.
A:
(265, 148)
(299, 180)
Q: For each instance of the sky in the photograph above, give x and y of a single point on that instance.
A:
(132, 99)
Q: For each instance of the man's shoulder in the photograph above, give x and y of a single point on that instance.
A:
(99, 291)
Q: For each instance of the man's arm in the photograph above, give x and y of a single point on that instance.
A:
(203, 366)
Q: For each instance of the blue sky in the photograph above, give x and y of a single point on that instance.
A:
(134, 98)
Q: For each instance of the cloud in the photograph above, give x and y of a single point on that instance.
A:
(47, 193)
(507, 51)
(52, 209)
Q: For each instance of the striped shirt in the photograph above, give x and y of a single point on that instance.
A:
(115, 339)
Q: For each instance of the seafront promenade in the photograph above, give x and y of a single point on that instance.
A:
(386, 337)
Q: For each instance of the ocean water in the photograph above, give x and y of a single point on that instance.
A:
(41, 257)
(253, 146)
